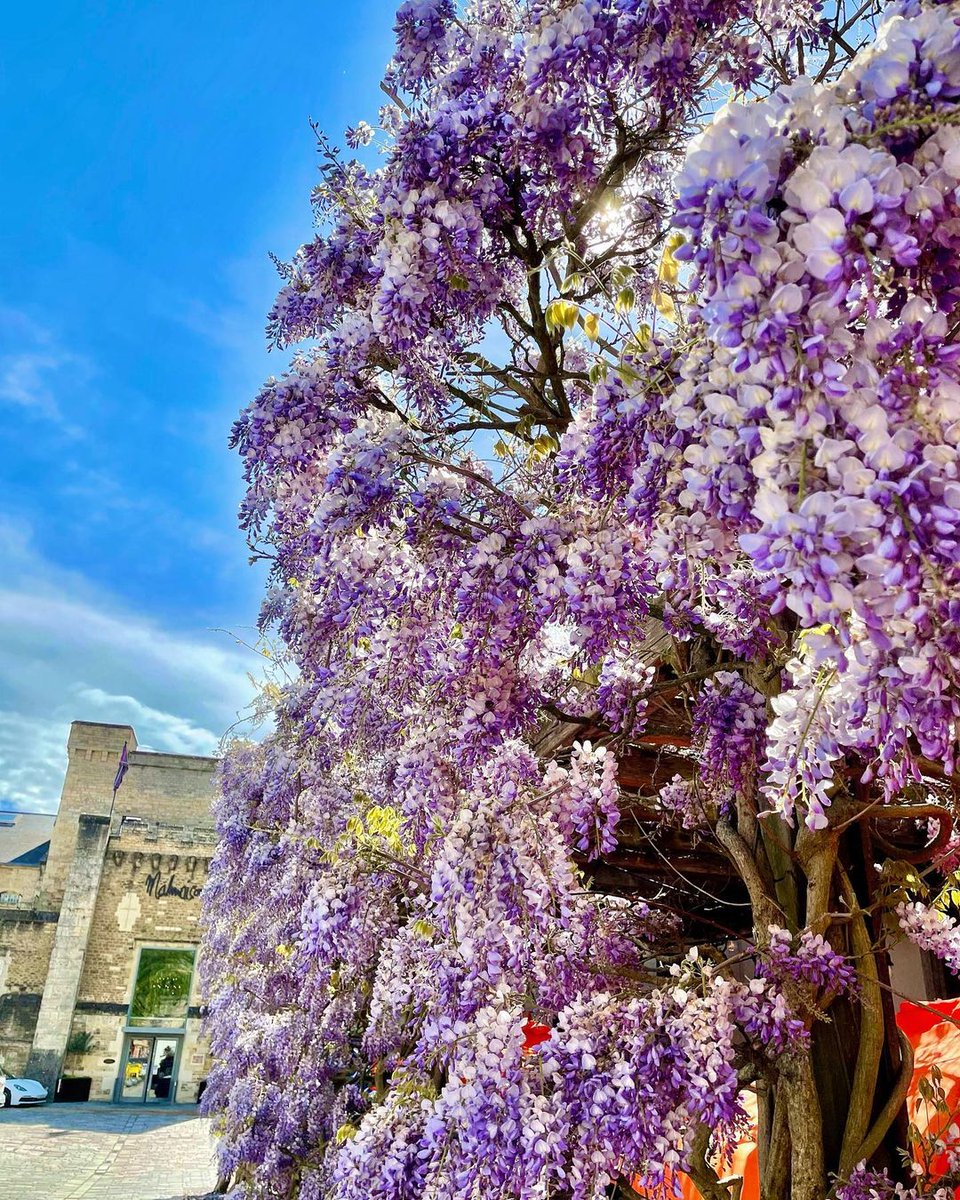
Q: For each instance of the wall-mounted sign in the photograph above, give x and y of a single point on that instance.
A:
(158, 887)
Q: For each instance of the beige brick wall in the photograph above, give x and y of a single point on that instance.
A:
(20, 881)
(25, 945)
(133, 869)
(28, 941)
(176, 788)
(92, 755)
(139, 863)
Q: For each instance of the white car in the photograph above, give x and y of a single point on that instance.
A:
(22, 1091)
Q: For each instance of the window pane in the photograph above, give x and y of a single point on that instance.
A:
(162, 992)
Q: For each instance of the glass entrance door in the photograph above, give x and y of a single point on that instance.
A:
(163, 1070)
(149, 1070)
(135, 1072)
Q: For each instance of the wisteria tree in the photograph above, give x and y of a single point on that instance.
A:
(612, 500)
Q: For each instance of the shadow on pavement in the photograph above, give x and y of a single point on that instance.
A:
(67, 1117)
(205, 1196)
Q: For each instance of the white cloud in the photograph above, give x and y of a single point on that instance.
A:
(23, 381)
(69, 651)
(155, 729)
(35, 370)
(33, 758)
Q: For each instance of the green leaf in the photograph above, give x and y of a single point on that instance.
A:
(543, 446)
(643, 335)
(346, 1131)
(669, 267)
(627, 373)
(625, 299)
(664, 304)
(561, 314)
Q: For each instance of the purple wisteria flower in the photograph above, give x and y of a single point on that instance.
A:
(701, 517)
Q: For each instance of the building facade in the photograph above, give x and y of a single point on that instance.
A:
(99, 924)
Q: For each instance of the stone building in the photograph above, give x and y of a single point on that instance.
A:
(99, 924)
(24, 845)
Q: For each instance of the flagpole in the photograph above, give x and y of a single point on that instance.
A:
(118, 779)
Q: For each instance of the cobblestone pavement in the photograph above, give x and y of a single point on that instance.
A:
(104, 1152)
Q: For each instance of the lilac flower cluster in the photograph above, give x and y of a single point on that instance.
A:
(586, 798)
(621, 692)
(931, 930)
(729, 725)
(681, 804)
(809, 958)
(867, 1184)
(769, 480)
(823, 436)
(803, 747)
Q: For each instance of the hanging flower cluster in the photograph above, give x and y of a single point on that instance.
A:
(729, 726)
(931, 930)
(865, 1184)
(494, 581)
(824, 436)
(812, 960)
(586, 798)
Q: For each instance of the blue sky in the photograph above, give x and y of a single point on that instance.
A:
(154, 154)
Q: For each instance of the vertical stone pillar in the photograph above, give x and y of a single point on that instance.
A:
(69, 948)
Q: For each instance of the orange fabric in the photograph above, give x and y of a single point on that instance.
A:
(936, 1042)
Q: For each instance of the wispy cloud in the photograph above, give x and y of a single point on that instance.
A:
(156, 730)
(33, 758)
(36, 370)
(25, 380)
(69, 651)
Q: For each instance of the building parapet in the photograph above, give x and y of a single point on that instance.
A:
(166, 831)
(177, 762)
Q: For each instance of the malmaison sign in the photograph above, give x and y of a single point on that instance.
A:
(157, 886)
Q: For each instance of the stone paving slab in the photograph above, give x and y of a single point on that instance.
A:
(104, 1152)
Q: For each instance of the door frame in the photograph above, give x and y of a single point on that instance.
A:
(153, 1036)
(128, 1038)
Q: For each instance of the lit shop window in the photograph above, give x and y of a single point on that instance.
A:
(161, 994)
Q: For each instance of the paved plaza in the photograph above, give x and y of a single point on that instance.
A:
(104, 1152)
